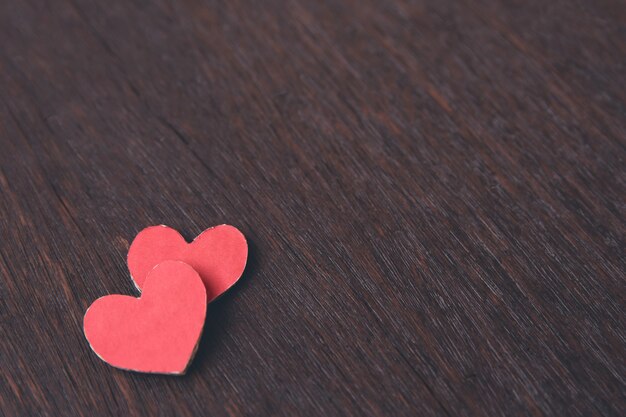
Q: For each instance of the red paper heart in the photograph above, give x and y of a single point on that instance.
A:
(159, 331)
(218, 254)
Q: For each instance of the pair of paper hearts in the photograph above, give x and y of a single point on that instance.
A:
(159, 332)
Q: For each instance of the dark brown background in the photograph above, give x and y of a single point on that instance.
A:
(433, 192)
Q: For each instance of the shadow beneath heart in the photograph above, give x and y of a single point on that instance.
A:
(218, 318)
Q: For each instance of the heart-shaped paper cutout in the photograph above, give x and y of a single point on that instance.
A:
(156, 333)
(218, 254)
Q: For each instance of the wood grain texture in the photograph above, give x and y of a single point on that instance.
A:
(434, 194)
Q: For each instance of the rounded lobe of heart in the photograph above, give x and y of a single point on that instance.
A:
(156, 333)
(218, 254)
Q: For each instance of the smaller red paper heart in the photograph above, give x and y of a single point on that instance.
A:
(156, 333)
(218, 254)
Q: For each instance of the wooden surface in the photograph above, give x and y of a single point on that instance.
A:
(433, 191)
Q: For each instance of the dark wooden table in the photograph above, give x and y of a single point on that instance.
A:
(433, 192)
